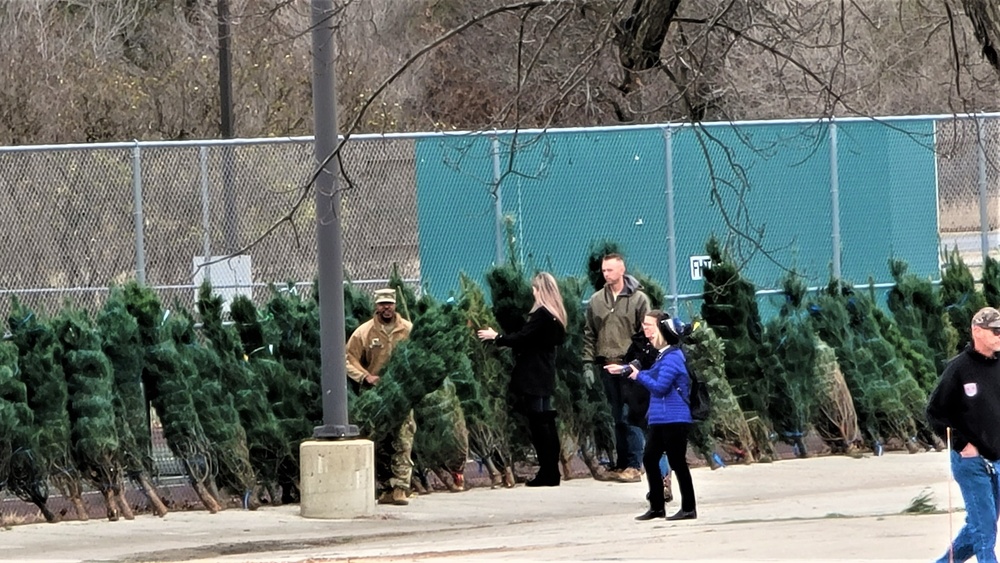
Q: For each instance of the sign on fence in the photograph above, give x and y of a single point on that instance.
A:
(229, 278)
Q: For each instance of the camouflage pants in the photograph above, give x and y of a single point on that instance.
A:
(394, 457)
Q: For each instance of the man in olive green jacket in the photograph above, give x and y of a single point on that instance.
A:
(614, 314)
(368, 350)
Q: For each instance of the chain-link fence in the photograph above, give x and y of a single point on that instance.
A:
(824, 197)
(80, 218)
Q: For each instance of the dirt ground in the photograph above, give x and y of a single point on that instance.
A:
(817, 509)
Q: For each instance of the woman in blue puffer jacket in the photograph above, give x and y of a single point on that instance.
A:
(669, 416)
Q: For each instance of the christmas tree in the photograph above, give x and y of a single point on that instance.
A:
(991, 282)
(166, 377)
(121, 343)
(42, 373)
(921, 315)
(216, 410)
(295, 334)
(836, 421)
(730, 307)
(959, 298)
(265, 439)
(584, 412)
(787, 359)
(726, 425)
(838, 315)
(93, 427)
(269, 377)
(485, 398)
(20, 471)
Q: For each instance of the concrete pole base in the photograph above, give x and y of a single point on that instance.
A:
(337, 479)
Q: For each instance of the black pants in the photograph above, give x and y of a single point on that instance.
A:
(671, 439)
(544, 434)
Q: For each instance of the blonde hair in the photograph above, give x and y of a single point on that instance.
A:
(547, 295)
(657, 340)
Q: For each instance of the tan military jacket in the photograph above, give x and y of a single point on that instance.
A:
(369, 347)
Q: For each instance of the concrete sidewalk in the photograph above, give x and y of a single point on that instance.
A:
(820, 509)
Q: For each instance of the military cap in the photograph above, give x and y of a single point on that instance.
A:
(387, 295)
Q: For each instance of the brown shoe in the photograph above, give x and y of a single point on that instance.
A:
(606, 474)
(629, 475)
(385, 497)
(399, 497)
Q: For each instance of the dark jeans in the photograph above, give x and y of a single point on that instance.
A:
(672, 440)
(628, 438)
(977, 480)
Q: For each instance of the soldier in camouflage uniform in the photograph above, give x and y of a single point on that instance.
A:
(368, 350)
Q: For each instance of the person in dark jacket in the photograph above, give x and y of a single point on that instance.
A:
(636, 396)
(533, 381)
(668, 419)
(965, 408)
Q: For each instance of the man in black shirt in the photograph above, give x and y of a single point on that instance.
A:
(966, 403)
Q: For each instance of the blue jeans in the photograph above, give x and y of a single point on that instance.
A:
(629, 440)
(977, 479)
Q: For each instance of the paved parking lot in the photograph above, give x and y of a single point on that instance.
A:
(818, 509)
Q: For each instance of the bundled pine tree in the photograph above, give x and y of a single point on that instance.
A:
(42, 373)
(484, 399)
(90, 382)
(894, 369)
(726, 426)
(441, 443)
(20, 471)
(269, 378)
(265, 440)
(358, 308)
(920, 368)
(921, 316)
(959, 298)
(165, 378)
(216, 411)
(836, 422)
(121, 344)
(991, 282)
(839, 321)
(787, 362)
(584, 413)
(730, 307)
(407, 303)
(296, 398)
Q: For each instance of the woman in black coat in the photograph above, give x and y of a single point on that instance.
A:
(533, 381)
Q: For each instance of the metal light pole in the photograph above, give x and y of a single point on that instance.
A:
(328, 230)
(229, 219)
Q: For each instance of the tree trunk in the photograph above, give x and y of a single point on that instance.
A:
(640, 36)
(81, 511)
(159, 508)
(111, 503)
(123, 505)
(206, 498)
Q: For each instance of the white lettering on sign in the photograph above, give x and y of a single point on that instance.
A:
(698, 266)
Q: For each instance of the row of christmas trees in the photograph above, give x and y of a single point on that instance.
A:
(235, 400)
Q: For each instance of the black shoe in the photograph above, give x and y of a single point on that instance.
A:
(684, 515)
(651, 514)
(543, 481)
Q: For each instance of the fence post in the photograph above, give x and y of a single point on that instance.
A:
(668, 149)
(497, 201)
(137, 216)
(206, 221)
(984, 215)
(834, 202)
